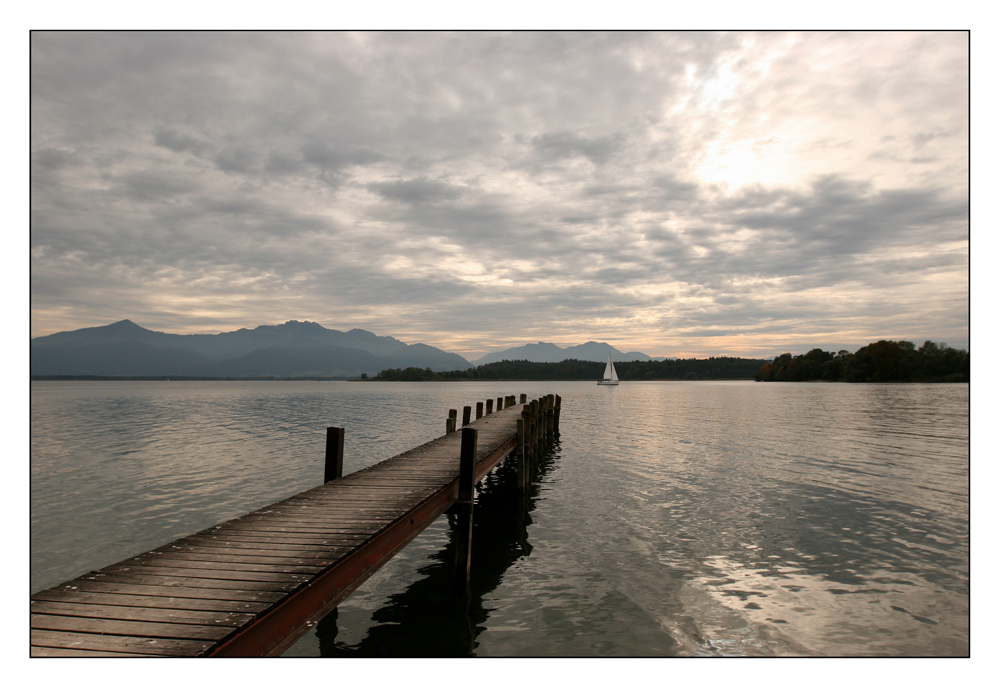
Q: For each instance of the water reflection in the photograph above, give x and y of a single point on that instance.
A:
(434, 617)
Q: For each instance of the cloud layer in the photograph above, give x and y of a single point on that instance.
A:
(674, 193)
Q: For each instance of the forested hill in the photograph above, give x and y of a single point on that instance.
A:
(680, 369)
(883, 361)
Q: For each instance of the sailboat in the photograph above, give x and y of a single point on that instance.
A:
(610, 376)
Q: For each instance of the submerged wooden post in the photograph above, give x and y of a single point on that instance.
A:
(489, 406)
(466, 485)
(479, 410)
(466, 415)
(334, 467)
(555, 416)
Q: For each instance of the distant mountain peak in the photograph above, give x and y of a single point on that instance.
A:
(125, 326)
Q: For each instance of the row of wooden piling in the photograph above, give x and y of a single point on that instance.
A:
(538, 423)
(451, 424)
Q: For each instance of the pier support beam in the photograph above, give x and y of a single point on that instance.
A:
(334, 467)
(466, 486)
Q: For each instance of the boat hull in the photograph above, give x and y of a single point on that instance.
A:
(608, 382)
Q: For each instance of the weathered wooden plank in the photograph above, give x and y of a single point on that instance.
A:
(275, 538)
(123, 613)
(343, 519)
(268, 549)
(186, 581)
(221, 563)
(206, 574)
(148, 601)
(166, 647)
(206, 554)
(68, 652)
(333, 525)
(144, 629)
(178, 590)
(299, 535)
(266, 526)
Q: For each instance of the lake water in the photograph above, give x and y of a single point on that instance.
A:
(669, 518)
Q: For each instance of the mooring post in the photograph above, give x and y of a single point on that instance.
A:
(524, 437)
(522, 464)
(334, 467)
(534, 427)
(555, 417)
(466, 415)
(524, 398)
(466, 486)
(499, 404)
(479, 410)
(489, 406)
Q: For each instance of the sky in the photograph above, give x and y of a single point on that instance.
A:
(685, 194)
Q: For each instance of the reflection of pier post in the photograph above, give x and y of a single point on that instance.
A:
(466, 484)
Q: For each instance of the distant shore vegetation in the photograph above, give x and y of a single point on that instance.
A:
(882, 361)
(722, 368)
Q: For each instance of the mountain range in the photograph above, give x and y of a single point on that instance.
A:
(546, 352)
(293, 349)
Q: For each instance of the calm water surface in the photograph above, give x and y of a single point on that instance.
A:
(670, 518)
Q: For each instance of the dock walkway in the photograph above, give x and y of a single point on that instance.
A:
(253, 585)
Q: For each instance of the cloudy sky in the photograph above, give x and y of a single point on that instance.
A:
(680, 194)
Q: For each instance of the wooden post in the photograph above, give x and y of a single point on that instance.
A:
(555, 418)
(334, 467)
(524, 398)
(466, 486)
(466, 415)
(449, 425)
(522, 464)
(499, 404)
(489, 406)
(479, 410)
(534, 427)
(525, 438)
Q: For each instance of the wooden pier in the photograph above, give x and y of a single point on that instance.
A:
(254, 585)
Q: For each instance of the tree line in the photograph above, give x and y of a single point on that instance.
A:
(882, 361)
(714, 368)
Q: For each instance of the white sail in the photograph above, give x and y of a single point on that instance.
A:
(610, 374)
